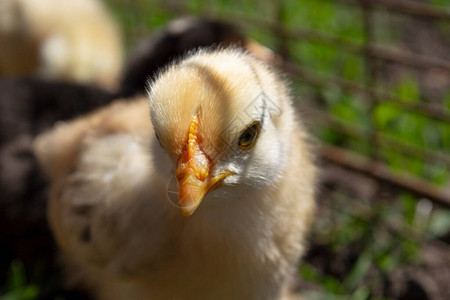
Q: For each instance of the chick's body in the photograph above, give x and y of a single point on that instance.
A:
(110, 213)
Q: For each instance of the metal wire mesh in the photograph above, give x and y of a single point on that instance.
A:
(376, 59)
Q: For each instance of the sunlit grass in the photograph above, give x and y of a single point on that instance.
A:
(387, 235)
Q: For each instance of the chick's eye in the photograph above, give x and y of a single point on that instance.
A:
(248, 138)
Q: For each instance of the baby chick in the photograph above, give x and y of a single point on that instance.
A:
(224, 141)
(59, 39)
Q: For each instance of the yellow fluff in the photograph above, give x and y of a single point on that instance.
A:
(111, 211)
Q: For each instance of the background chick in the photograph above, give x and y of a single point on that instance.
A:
(109, 210)
(70, 40)
(28, 107)
(175, 40)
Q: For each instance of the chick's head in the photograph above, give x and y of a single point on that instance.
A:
(217, 115)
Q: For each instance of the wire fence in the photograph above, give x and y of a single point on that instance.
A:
(370, 88)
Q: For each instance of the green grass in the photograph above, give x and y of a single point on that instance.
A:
(387, 235)
(17, 285)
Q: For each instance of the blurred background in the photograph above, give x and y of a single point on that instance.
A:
(371, 80)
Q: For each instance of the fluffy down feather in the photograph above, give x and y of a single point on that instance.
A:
(109, 209)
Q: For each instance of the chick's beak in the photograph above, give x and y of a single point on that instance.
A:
(193, 173)
(192, 190)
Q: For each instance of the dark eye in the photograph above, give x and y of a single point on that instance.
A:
(248, 138)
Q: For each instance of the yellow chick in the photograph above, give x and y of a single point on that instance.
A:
(210, 200)
(59, 39)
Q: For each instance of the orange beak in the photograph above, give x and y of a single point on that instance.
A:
(193, 173)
